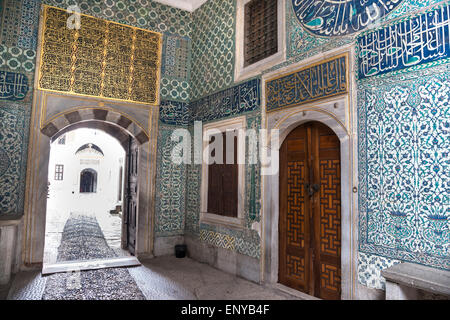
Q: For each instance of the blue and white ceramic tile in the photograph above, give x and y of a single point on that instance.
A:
(404, 169)
(369, 270)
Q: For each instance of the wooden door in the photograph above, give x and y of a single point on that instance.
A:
(131, 195)
(310, 211)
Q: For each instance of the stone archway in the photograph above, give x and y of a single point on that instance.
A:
(335, 115)
(54, 114)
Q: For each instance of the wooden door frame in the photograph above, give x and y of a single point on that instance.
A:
(334, 114)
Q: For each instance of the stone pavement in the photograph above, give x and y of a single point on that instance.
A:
(83, 239)
(164, 278)
(110, 225)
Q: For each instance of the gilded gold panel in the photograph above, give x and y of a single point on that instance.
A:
(101, 59)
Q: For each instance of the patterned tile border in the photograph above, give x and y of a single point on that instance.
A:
(406, 44)
(174, 113)
(233, 101)
(171, 188)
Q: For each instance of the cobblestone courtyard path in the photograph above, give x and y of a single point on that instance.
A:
(83, 239)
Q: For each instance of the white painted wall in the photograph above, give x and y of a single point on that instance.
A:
(65, 196)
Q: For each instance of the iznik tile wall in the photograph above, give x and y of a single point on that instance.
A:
(404, 167)
(19, 36)
(213, 33)
(176, 26)
(242, 99)
(403, 125)
(145, 14)
(407, 45)
(18, 31)
(214, 97)
(302, 43)
(369, 270)
(175, 68)
(171, 188)
(18, 53)
(14, 125)
(403, 130)
(171, 178)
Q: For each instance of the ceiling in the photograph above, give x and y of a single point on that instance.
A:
(188, 5)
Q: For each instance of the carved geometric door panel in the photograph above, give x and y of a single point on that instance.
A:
(310, 211)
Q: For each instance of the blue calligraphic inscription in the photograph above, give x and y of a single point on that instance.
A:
(340, 17)
(174, 113)
(13, 86)
(416, 41)
(233, 101)
(320, 81)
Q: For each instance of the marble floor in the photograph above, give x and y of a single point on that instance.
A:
(166, 278)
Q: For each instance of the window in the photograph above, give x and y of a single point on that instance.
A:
(62, 139)
(59, 172)
(223, 179)
(261, 37)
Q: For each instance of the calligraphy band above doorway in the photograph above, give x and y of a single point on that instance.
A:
(325, 79)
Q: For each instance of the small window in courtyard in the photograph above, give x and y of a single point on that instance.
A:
(59, 172)
(261, 34)
(62, 139)
(223, 181)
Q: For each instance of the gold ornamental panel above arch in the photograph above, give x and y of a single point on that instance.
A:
(100, 59)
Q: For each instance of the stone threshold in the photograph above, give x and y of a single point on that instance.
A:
(82, 265)
(293, 292)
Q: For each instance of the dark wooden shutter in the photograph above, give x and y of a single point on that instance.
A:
(261, 34)
(223, 184)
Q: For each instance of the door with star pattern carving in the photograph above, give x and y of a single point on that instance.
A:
(310, 211)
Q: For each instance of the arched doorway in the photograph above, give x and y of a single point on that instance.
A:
(55, 114)
(83, 198)
(310, 211)
(88, 181)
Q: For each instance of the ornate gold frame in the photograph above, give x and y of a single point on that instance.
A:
(158, 67)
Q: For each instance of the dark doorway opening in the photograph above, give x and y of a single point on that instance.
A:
(88, 181)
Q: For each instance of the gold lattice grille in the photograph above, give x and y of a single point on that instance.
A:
(101, 59)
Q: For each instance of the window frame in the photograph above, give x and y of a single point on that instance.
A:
(57, 173)
(240, 71)
(62, 140)
(211, 218)
(270, 48)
